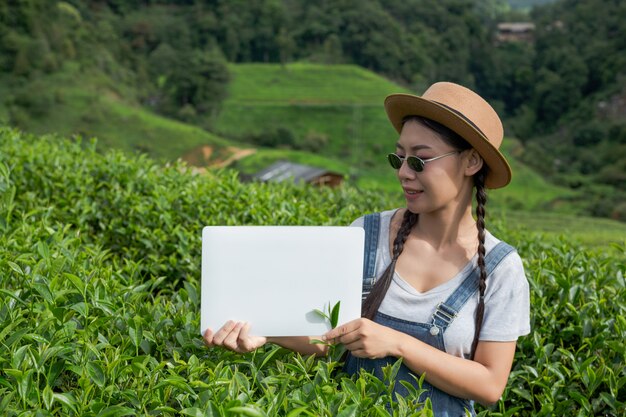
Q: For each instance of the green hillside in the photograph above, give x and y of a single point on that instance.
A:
(306, 84)
(90, 104)
(343, 104)
(334, 111)
(331, 117)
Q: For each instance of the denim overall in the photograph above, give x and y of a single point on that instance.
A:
(444, 405)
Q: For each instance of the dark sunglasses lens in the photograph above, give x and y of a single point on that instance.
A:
(415, 163)
(394, 161)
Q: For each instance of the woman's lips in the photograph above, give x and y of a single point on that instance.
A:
(411, 194)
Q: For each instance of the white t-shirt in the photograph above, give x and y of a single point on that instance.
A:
(507, 298)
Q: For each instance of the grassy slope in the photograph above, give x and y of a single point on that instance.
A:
(528, 190)
(345, 103)
(588, 231)
(342, 102)
(94, 106)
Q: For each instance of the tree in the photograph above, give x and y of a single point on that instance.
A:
(200, 79)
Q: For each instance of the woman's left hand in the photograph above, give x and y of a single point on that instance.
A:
(365, 338)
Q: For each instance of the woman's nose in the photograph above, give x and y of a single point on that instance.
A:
(406, 173)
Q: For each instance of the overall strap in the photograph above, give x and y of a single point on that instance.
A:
(447, 310)
(371, 224)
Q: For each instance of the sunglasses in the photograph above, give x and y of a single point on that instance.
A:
(414, 162)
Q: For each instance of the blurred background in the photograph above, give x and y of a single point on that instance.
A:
(265, 85)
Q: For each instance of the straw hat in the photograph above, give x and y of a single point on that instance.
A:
(463, 111)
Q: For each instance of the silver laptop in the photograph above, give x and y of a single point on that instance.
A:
(275, 277)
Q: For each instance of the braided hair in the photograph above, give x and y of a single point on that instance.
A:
(379, 290)
(375, 297)
(481, 201)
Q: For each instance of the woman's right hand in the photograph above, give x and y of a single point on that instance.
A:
(234, 336)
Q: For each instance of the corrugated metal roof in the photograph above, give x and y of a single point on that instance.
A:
(284, 171)
(516, 26)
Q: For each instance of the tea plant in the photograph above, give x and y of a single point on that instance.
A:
(331, 315)
(99, 299)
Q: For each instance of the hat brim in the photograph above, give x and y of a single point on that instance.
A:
(399, 106)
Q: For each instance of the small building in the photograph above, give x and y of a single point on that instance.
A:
(288, 171)
(515, 32)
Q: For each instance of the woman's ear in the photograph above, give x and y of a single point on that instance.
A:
(474, 162)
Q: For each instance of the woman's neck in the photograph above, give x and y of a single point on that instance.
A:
(447, 228)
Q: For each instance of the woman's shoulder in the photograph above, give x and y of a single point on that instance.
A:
(511, 265)
(492, 241)
(385, 217)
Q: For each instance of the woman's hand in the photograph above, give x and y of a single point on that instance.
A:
(234, 336)
(366, 339)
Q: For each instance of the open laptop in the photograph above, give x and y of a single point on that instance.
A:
(274, 277)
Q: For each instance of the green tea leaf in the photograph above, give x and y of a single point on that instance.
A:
(301, 410)
(96, 373)
(77, 282)
(15, 267)
(269, 356)
(349, 411)
(66, 399)
(523, 393)
(116, 411)
(193, 412)
(334, 315)
(48, 398)
(247, 411)
(179, 383)
(43, 250)
(320, 313)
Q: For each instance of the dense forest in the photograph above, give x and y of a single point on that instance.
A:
(562, 92)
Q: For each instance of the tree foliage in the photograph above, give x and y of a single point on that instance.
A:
(554, 92)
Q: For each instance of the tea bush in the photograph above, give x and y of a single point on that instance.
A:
(99, 299)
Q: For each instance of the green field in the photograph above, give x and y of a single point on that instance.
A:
(100, 297)
(307, 84)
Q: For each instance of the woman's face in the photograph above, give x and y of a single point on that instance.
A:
(443, 183)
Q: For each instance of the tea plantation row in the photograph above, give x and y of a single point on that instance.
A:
(99, 284)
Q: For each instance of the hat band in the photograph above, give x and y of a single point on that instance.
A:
(461, 115)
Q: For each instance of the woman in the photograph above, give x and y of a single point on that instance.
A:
(426, 307)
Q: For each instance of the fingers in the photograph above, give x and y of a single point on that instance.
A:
(208, 337)
(249, 343)
(362, 337)
(231, 339)
(234, 336)
(244, 341)
(223, 333)
(343, 333)
(349, 338)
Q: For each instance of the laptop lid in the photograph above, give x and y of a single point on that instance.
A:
(274, 277)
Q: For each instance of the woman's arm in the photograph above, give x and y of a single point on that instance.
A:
(482, 379)
(300, 344)
(234, 336)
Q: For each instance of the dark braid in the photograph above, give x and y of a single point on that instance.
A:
(481, 201)
(376, 296)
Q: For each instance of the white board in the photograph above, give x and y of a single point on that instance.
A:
(276, 276)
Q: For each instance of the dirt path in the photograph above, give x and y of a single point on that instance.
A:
(236, 154)
(200, 158)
